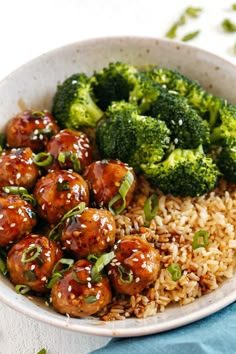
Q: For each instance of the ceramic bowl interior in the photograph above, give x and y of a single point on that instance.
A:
(33, 86)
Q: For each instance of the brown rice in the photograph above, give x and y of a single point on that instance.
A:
(171, 232)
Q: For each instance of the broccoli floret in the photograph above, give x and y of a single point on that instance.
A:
(145, 92)
(188, 129)
(73, 104)
(113, 83)
(171, 80)
(130, 137)
(205, 104)
(184, 173)
(227, 128)
(226, 160)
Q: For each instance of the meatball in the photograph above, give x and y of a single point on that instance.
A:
(105, 179)
(31, 261)
(31, 129)
(135, 266)
(58, 192)
(70, 149)
(77, 295)
(91, 232)
(17, 168)
(17, 218)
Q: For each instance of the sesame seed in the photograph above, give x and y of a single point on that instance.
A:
(32, 267)
(59, 295)
(137, 280)
(1, 216)
(68, 242)
(69, 288)
(44, 278)
(142, 256)
(1, 228)
(89, 285)
(13, 224)
(11, 207)
(108, 239)
(25, 219)
(40, 136)
(109, 272)
(89, 279)
(135, 259)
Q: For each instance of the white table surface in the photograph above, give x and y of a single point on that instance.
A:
(29, 28)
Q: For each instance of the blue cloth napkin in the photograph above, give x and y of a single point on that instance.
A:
(215, 334)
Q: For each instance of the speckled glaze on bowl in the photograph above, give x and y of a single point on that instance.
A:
(33, 86)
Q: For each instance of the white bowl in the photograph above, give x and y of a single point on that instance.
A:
(34, 84)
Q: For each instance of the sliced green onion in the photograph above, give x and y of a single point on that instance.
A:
(57, 274)
(190, 36)
(90, 299)
(54, 234)
(68, 262)
(29, 275)
(101, 262)
(233, 7)
(38, 114)
(193, 11)
(22, 289)
(42, 351)
(228, 26)
(43, 159)
(200, 239)
(62, 156)
(14, 190)
(175, 271)
(35, 250)
(76, 162)
(122, 193)
(151, 207)
(55, 277)
(92, 258)
(63, 186)
(172, 32)
(76, 278)
(126, 276)
(30, 199)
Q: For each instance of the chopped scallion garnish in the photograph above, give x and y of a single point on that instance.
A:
(151, 207)
(200, 239)
(90, 299)
(63, 186)
(42, 351)
(175, 271)
(228, 26)
(3, 265)
(122, 193)
(126, 276)
(101, 262)
(43, 159)
(33, 251)
(22, 289)
(76, 278)
(57, 274)
(14, 190)
(55, 232)
(190, 36)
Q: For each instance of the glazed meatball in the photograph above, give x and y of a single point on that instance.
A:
(58, 192)
(70, 149)
(91, 232)
(17, 218)
(17, 168)
(77, 295)
(135, 266)
(31, 129)
(31, 261)
(105, 179)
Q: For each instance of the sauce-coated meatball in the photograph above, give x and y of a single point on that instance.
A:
(58, 192)
(135, 266)
(31, 261)
(17, 168)
(91, 232)
(70, 149)
(17, 218)
(105, 178)
(77, 295)
(31, 129)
